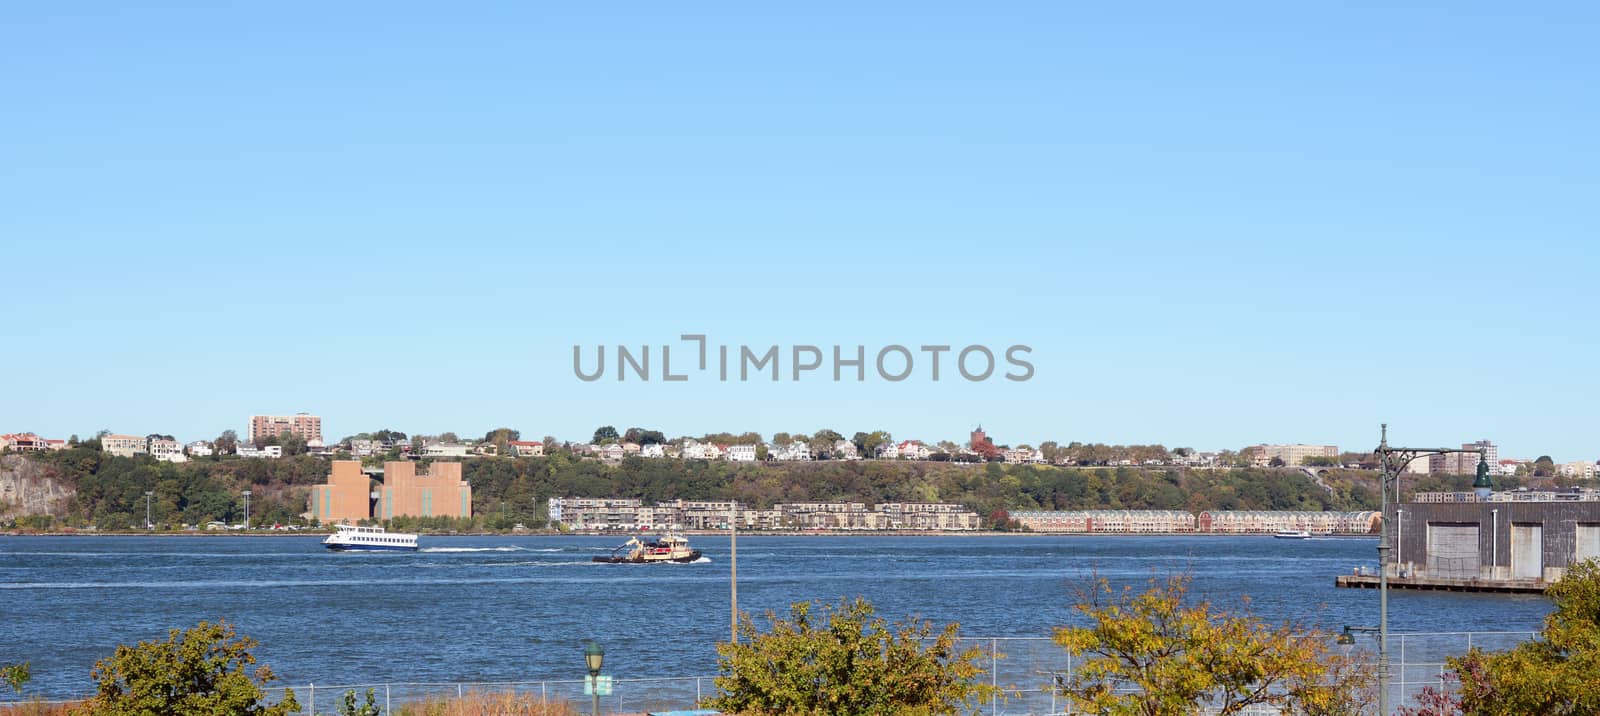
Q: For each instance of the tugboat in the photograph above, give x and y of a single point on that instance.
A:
(671, 548)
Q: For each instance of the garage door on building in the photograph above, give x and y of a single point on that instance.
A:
(1452, 550)
(1588, 542)
(1527, 551)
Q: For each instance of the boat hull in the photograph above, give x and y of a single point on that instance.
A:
(369, 548)
(681, 559)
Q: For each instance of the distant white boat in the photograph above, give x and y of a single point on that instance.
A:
(1292, 534)
(350, 538)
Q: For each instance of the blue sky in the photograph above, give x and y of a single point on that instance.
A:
(1216, 225)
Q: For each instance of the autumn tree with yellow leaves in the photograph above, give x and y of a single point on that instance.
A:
(1152, 654)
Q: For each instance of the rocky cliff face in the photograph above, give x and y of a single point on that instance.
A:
(27, 489)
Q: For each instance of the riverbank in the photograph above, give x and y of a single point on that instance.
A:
(689, 533)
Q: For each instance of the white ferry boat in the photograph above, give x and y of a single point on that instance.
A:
(1292, 534)
(352, 538)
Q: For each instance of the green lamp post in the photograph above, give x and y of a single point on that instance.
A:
(594, 656)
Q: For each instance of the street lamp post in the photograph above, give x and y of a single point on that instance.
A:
(148, 525)
(733, 571)
(247, 509)
(594, 656)
(1393, 461)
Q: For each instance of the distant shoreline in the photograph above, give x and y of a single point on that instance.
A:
(692, 533)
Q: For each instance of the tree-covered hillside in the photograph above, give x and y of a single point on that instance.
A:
(507, 491)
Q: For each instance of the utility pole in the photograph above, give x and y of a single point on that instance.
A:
(1393, 461)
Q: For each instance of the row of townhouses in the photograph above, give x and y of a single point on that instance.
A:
(1219, 521)
(601, 514)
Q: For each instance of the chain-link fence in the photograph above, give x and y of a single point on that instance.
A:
(1025, 668)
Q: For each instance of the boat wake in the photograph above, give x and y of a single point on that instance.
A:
(476, 549)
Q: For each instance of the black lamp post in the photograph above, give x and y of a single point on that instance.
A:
(594, 656)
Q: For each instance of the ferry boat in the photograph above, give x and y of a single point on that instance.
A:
(1292, 534)
(350, 538)
(671, 548)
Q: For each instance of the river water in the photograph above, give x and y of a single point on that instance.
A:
(519, 608)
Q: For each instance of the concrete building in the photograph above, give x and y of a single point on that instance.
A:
(200, 448)
(1581, 469)
(1290, 455)
(345, 498)
(123, 445)
(1464, 463)
(307, 427)
(439, 492)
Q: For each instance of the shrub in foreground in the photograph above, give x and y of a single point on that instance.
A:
(845, 660)
(204, 670)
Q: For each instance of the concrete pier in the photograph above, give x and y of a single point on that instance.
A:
(1505, 586)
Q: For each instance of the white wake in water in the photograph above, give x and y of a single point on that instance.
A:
(472, 549)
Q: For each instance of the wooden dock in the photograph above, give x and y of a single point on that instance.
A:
(1504, 586)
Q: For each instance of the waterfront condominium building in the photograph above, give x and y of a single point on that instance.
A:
(307, 427)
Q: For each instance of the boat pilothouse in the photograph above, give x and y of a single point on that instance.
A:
(350, 538)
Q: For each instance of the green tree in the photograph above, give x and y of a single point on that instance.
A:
(1150, 654)
(501, 438)
(227, 443)
(1555, 675)
(605, 434)
(199, 671)
(292, 443)
(16, 675)
(1544, 467)
(369, 707)
(846, 660)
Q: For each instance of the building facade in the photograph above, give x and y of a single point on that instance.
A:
(1269, 521)
(123, 445)
(307, 427)
(1498, 539)
(1107, 521)
(1465, 463)
(346, 498)
(1290, 455)
(438, 492)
